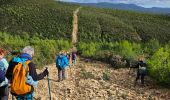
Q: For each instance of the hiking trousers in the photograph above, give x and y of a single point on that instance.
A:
(61, 74)
(141, 76)
(4, 92)
(73, 61)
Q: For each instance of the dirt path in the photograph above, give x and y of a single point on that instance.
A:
(86, 81)
(75, 26)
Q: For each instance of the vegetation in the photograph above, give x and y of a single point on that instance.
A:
(100, 25)
(46, 18)
(157, 56)
(45, 49)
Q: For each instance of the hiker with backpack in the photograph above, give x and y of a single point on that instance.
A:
(73, 57)
(23, 76)
(3, 80)
(69, 57)
(141, 70)
(62, 64)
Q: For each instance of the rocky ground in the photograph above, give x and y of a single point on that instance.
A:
(98, 81)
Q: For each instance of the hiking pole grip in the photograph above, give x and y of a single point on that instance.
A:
(49, 87)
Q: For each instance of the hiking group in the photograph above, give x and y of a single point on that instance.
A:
(20, 74)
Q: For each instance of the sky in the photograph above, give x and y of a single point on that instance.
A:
(143, 3)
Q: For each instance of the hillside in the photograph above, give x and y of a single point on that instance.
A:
(45, 18)
(53, 20)
(116, 25)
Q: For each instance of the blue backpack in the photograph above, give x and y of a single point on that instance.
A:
(59, 62)
(2, 72)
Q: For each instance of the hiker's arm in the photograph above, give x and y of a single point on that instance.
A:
(136, 66)
(66, 62)
(10, 70)
(33, 73)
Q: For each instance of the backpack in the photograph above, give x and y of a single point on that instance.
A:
(20, 72)
(59, 62)
(2, 71)
(142, 68)
(74, 55)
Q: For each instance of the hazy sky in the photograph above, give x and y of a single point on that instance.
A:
(144, 3)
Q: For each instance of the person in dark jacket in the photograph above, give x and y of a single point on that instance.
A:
(141, 71)
(27, 53)
(73, 57)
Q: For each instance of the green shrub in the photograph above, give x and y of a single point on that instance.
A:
(159, 66)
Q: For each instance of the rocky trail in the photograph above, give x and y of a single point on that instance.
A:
(98, 81)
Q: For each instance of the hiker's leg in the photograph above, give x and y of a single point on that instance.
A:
(74, 61)
(59, 74)
(64, 74)
(142, 79)
(137, 77)
(4, 93)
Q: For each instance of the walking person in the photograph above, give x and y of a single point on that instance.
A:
(4, 92)
(62, 64)
(23, 76)
(73, 57)
(141, 71)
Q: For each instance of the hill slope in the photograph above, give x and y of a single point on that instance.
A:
(47, 18)
(86, 82)
(114, 25)
(53, 20)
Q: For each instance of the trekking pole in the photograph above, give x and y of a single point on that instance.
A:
(49, 87)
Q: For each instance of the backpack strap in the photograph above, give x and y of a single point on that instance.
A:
(26, 67)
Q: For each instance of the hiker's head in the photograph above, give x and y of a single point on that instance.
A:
(29, 50)
(63, 52)
(2, 53)
(141, 58)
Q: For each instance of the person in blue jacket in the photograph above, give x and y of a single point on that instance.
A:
(62, 64)
(3, 80)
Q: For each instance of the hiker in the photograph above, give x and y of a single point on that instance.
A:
(73, 57)
(69, 57)
(3, 80)
(23, 76)
(62, 64)
(141, 71)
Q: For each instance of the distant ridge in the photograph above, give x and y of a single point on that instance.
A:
(132, 7)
